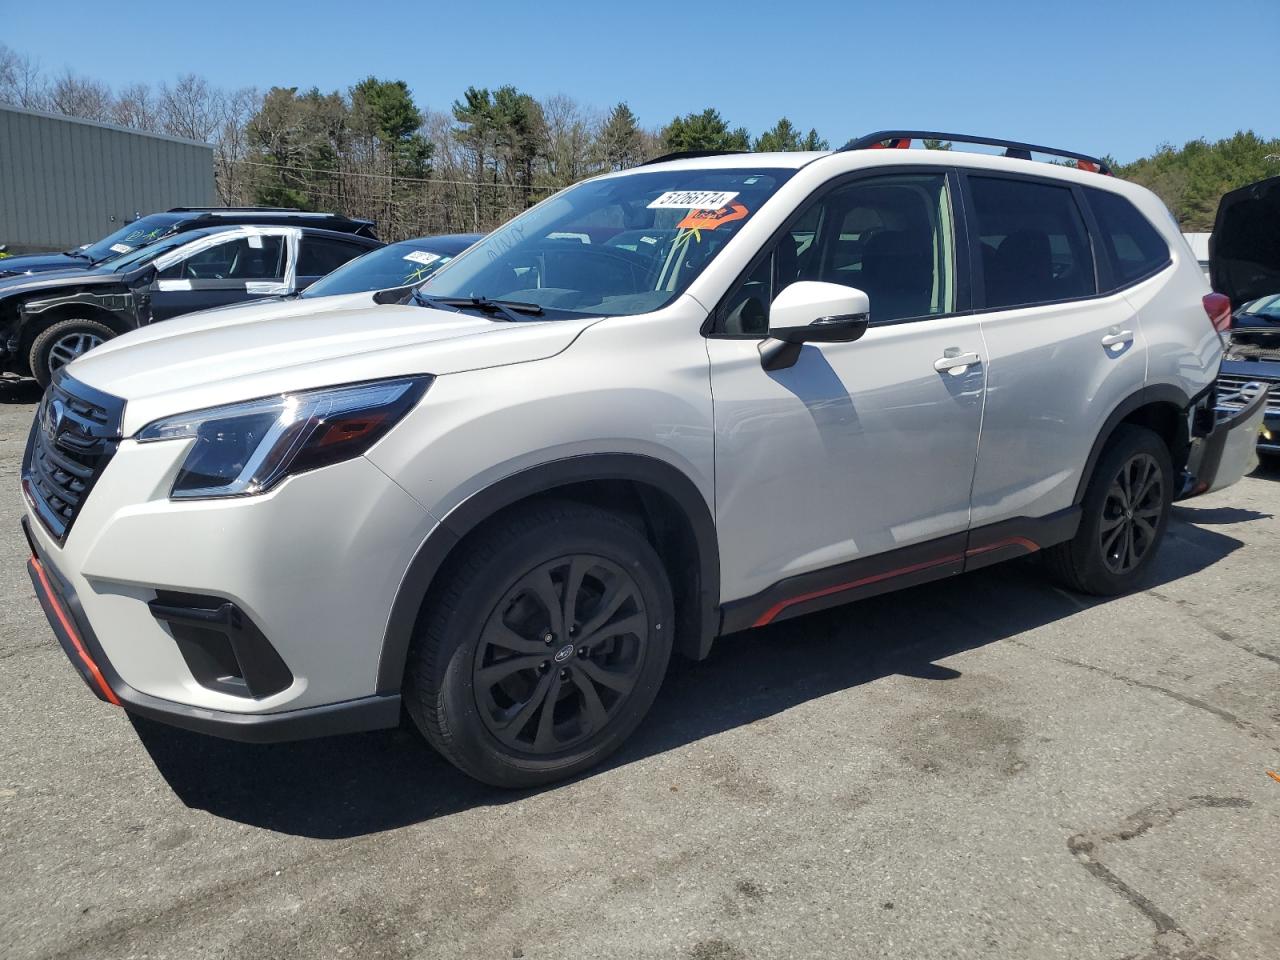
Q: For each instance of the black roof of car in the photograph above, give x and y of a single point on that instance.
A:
(287, 216)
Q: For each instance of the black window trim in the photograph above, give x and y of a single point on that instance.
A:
(959, 231)
(1101, 265)
(1113, 273)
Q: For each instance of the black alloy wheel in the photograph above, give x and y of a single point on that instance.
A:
(543, 645)
(1131, 514)
(560, 654)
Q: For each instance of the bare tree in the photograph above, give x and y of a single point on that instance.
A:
(231, 147)
(571, 131)
(21, 82)
(137, 107)
(191, 108)
(78, 96)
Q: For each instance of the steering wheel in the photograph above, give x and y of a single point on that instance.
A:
(638, 267)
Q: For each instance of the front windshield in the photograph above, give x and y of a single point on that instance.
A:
(397, 265)
(1268, 307)
(615, 246)
(129, 238)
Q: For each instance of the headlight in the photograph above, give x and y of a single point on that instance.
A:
(246, 448)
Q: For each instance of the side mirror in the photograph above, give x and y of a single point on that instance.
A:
(812, 312)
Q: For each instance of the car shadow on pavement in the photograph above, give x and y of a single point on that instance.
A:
(350, 786)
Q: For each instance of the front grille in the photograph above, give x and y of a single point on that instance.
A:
(1232, 394)
(74, 436)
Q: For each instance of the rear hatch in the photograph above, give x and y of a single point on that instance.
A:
(1244, 251)
(1244, 264)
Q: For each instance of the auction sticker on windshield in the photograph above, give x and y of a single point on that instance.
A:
(120, 248)
(693, 200)
(422, 257)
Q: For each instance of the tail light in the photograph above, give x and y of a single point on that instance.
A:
(1218, 307)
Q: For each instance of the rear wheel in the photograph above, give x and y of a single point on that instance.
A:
(1125, 513)
(544, 648)
(62, 342)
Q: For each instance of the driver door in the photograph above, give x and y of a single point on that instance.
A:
(228, 270)
(851, 469)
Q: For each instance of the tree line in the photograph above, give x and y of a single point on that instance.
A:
(372, 151)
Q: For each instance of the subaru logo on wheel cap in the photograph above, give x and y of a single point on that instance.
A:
(564, 653)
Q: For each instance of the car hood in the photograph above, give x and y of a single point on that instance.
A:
(54, 279)
(1244, 250)
(223, 356)
(39, 262)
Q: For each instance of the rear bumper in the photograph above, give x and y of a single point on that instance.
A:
(70, 626)
(1230, 450)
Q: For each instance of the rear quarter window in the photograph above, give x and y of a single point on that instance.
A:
(1134, 247)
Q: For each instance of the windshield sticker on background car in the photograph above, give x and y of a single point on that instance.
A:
(711, 219)
(421, 256)
(120, 248)
(693, 200)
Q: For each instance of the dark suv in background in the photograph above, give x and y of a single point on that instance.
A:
(48, 319)
(156, 226)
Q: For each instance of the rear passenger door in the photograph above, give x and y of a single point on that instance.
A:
(1062, 356)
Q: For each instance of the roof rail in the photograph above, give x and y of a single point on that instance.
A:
(901, 139)
(233, 210)
(688, 155)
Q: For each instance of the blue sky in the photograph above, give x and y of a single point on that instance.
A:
(1100, 77)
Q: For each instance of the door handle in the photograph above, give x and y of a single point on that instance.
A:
(954, 362)
(1117, 337)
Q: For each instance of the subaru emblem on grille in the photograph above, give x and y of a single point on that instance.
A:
(54, 414)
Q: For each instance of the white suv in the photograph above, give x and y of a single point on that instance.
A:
(666, 404)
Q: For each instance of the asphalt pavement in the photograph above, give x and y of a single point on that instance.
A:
(986, 767)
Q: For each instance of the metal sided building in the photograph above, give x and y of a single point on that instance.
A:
(65, 181)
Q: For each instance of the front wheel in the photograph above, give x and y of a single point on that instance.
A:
(62, 342)
(1124, 515)
(543, 648)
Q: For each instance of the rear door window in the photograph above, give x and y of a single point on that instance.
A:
(1134, 246)
(1031, 242)
(319, 256)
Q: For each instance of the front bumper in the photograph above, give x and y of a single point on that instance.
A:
(76, 637)
(1238, 374)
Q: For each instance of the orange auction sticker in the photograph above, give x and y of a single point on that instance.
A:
(710, 219)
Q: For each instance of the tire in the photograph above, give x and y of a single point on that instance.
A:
(60, 343)
(492, 650)
(1098, 559)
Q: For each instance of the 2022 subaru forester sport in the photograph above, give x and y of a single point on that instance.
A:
(665, 404)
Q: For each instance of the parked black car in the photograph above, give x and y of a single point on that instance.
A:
(397, 265)
(157, 226)
(48, 319)
(1244, 264)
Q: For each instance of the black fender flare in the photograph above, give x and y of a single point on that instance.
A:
(466, 516)
(1155, 393)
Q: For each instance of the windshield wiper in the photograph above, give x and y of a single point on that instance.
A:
(510, 309)
(77, 253)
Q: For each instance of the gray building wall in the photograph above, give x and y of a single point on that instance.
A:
(64, 182)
